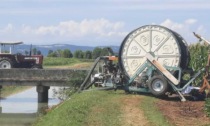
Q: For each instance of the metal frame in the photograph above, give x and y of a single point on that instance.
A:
(150, 68)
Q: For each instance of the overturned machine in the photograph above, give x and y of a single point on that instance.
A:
(151, 59)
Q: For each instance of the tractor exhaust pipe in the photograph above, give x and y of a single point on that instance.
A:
(30, 50)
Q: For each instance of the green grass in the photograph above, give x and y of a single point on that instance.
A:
(59, 61)
(9, 90)
(87, 108)
(52, 61)
(99, 108)
(152, 113)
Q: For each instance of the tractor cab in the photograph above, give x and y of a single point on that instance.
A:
(9, 58)
(4, 47)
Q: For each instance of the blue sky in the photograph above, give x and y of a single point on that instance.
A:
(97, 22)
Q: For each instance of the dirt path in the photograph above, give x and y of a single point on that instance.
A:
(132, 115)
(190, 113)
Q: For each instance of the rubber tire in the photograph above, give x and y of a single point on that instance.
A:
(8, 60)
(164, 89)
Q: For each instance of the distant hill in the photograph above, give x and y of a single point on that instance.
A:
(45, 48)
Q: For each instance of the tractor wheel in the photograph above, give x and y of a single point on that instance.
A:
(6, 63)
(158, 86)
(37, 67)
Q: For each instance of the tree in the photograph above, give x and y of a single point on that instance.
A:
(88, 54)
(26, 52)
(67, 53)
(53, 54)
(39, 52)
(78, 54)
(101, 52)
(34, 51)
(106, 51)
(59, 53)
(96, 52)
(50, 51)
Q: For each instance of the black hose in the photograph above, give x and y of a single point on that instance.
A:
(89, 74)
(89, 85)
(102, 88)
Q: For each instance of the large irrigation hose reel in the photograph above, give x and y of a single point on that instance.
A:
(167, 47)
(136, 67)
(149, 59)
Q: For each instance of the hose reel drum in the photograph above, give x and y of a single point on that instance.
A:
(166, 46)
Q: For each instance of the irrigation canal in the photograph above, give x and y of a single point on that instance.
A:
(22, 109)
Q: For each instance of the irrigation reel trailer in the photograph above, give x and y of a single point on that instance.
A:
(151, 59)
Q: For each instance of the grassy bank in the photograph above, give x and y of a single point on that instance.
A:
(10, 90)
(103, 108)
(85, 109)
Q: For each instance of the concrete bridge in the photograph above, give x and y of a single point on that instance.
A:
(41, 78)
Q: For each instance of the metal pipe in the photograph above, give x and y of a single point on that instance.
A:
(201, 38)
(189, 82)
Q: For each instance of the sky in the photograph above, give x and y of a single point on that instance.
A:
(98, 22)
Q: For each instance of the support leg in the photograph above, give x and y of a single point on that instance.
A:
(42, 93)
(183, 99)
(181, 96)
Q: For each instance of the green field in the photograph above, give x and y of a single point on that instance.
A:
(59, 61)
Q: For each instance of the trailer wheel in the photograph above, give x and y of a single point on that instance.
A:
(158, 86)
(6, 63)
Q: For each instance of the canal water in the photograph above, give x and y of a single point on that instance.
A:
(22, 109)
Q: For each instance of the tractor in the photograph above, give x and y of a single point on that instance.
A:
(9, 60)
(152, 59)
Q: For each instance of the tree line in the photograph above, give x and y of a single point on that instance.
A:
(66, 53)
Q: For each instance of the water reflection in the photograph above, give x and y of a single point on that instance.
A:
(22, 109)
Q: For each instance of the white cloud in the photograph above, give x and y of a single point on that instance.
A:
(186, 28)
(91, 32)
(95, 31)
(72, 29)
(172, 25)
(190, 21)
(7, 29)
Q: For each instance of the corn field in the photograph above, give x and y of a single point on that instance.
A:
(198, 56)
(198, 60)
